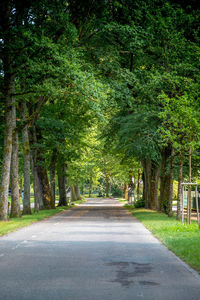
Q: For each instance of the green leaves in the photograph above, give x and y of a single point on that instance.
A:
(180, 120)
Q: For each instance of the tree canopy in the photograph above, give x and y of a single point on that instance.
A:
(97, 92)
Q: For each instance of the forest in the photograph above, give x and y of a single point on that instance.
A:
(98, 95)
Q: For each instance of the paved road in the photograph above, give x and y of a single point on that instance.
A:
(96, 251)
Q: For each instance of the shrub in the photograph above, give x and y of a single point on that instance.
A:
(139, 203)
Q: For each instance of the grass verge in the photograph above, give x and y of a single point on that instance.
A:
(16, 223)
(183, 240)
(78, 201)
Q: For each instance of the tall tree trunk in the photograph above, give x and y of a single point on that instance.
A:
(37, 190)
(90, 187)
(73, 194)
(8, 85)
(138, 185)
(147, 182)
(38, 198)
(52, 175)
(180, 179)
(171, 183)
(165, 179)
(77, 192)
(150, 188)
(15, 199)
(45, 187)
(27, 169)
(144, 185)
(154, 187)
(42, 174)
(125, 192)
(20, 187)
(62, 183)
(7, 150)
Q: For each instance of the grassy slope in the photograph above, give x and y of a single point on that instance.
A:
(183, 240)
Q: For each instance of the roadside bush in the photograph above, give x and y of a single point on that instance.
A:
(139, 203)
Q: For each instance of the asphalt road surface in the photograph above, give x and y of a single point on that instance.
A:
(96, 251)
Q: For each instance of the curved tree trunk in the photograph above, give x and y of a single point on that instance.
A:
(27, 168)
(15, 199)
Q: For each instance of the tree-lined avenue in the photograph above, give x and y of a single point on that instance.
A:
(94, 251)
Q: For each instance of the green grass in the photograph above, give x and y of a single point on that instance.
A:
(183, 240)
(78, 201)
(16, 223)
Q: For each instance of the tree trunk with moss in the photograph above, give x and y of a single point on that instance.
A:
(15, 199)
(27, 167)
